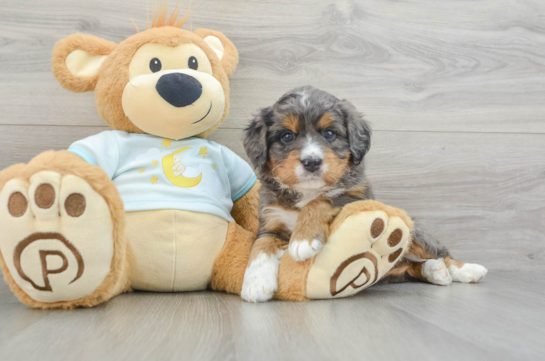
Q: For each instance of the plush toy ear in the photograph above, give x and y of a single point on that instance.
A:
(77, 59)
(223, 47)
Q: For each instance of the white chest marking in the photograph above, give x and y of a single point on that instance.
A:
(315, 190)
(307, 196)
(279, 215)
(335, 192)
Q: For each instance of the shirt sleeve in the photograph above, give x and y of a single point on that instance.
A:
(241, 175)
(101, 150)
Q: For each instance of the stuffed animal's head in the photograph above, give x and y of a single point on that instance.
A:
(164, 81)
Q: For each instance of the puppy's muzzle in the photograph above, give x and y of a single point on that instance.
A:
(178, 89)
(312, 164)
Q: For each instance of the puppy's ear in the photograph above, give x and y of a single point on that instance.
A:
(223, 47)
(359, 131)
(77, 59)
(255, 138)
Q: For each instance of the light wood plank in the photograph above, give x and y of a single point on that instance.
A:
(409, 65)
(19, 144)
(498, 319)
(482, 195)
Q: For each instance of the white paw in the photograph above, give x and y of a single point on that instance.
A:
(436, 272)
(303, 250)
(468, 273)
(261, 279)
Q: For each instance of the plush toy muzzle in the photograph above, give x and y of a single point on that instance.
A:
(174, 103)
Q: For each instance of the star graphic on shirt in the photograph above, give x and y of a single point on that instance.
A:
(213, 166)
(153, 180)
(166, 142)
(154, 163)
(203, 151)
(141, 171)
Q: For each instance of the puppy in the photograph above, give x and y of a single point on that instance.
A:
(308, 150)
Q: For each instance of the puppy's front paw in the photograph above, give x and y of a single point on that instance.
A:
(260, 279)
(303, 250)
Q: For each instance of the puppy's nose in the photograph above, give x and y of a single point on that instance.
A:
(179, 89)
(312, 164)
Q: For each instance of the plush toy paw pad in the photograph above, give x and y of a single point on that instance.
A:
(57, 240)
(377, 227)
(344, 278)
(358, 253)
(44, 196)
(17, 204)
(468, 273)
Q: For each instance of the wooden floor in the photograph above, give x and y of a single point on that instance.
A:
(499, 319)
(455, 91)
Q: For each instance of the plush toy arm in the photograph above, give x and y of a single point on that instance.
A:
(246, 209)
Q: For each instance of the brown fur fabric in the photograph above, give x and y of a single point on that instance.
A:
(229, 267)
(357, 207)
(88, 43)
(230, 55)
(292, 279)
(246, 209)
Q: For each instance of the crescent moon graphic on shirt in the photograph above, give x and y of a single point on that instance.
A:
(180, 180)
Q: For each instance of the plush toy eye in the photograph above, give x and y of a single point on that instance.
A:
(192, 63)
(288, 137)
(330, 135)
(155, 65)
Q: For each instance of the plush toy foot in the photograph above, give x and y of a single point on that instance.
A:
(57, 243)
(366, 240)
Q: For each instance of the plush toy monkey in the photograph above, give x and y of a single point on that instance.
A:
(152, 205)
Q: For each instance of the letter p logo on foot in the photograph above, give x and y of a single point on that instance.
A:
(47, 269)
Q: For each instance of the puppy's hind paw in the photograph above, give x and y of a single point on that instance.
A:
(303, 250)
(436, 272)
(468, 273)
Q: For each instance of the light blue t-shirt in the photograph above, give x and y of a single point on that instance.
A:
(154, 173)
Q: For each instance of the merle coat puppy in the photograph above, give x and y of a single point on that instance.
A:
(311, 145)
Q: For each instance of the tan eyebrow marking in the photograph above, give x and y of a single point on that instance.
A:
(326, 121)
(291, 122)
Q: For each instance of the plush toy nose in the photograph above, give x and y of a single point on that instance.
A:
(179, 89)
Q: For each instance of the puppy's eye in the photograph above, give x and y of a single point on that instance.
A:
(288, 137)
(192, 63)
(330, 135)
(155, 65)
